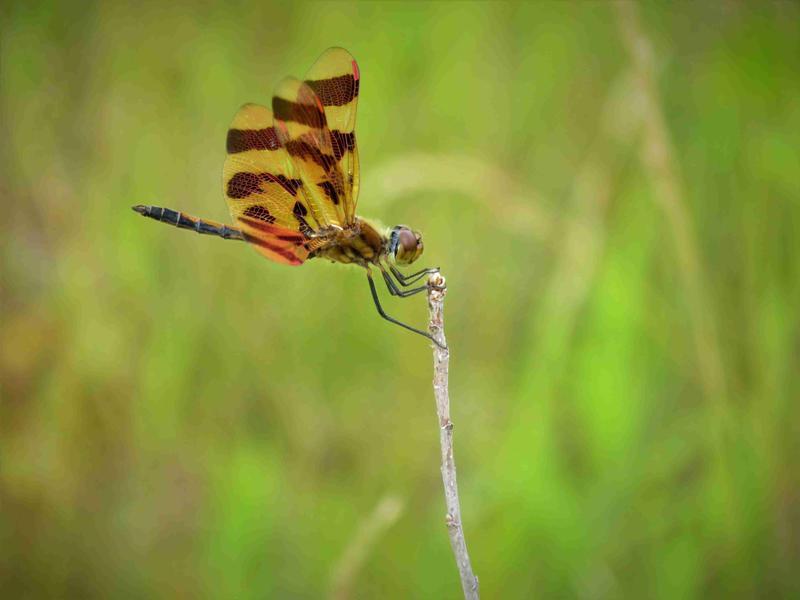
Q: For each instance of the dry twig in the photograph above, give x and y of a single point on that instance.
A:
(441, 365)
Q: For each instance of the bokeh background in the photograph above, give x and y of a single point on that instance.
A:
(612, 193)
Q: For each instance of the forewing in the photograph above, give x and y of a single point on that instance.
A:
(263, 193)
(335, 79)
(301, 126)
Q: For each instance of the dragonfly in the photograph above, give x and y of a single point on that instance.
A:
(291, 181)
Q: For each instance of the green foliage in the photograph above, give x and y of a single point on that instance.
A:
(181, 418)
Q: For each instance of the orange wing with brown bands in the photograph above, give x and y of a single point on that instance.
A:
(302, 129)
(263, 193)
(335, 79)
(315, 121)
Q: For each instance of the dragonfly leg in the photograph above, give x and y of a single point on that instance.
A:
(394, 290)
(383, 314)
(406, 280)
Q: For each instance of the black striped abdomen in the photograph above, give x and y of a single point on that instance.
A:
(184, 221)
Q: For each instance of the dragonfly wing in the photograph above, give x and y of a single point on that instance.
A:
(335, 79)
(264, 194)
(301, 127)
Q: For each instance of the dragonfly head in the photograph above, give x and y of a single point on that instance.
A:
(405, 245)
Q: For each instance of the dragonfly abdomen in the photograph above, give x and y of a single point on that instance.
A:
(184, 221)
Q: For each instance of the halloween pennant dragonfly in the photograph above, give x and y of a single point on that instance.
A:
(291, 182)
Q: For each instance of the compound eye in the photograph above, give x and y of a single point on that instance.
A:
(407, 240)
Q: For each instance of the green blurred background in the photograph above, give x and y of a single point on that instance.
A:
(613, 197)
